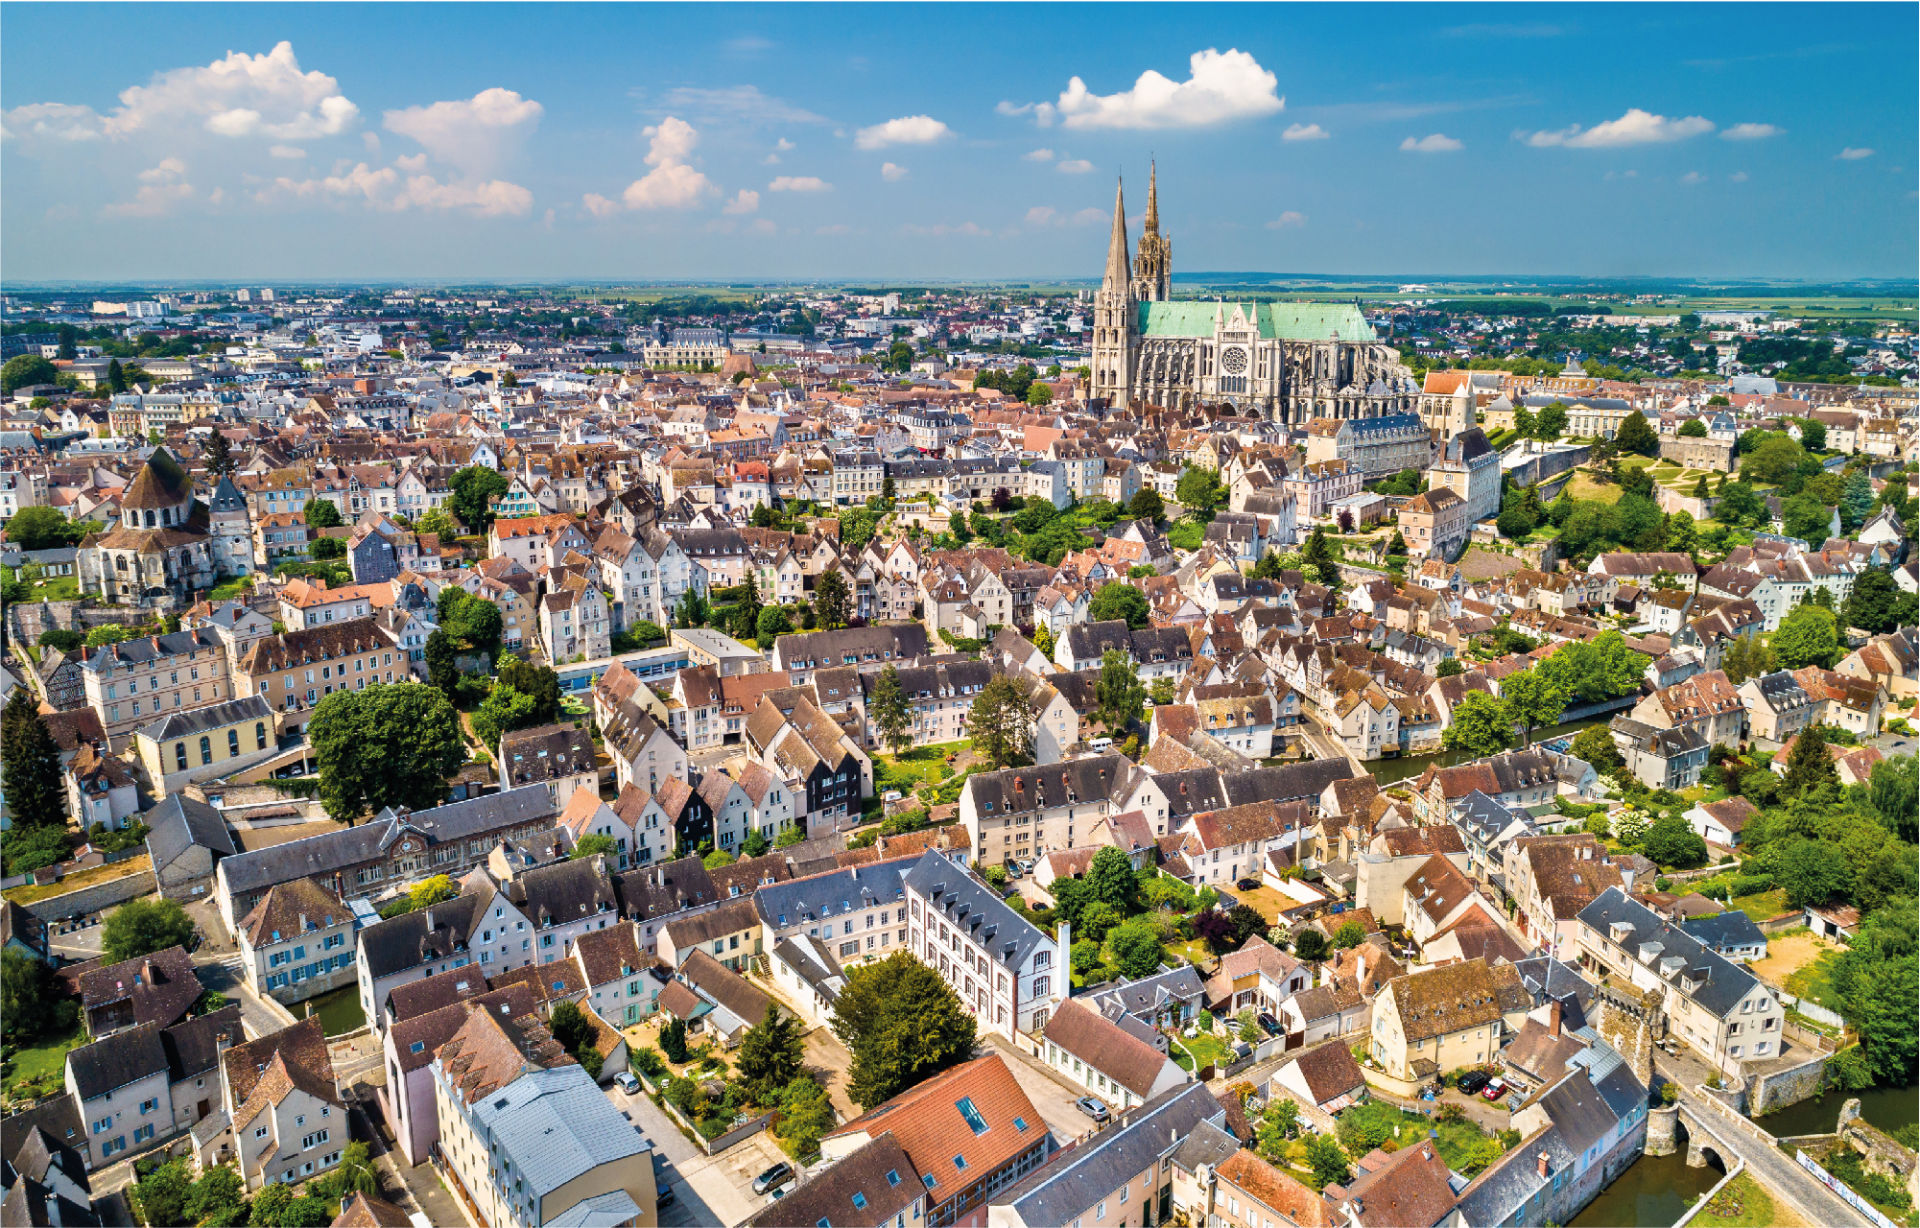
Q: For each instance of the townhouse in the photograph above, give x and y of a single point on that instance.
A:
(1009, 974)
(149, 1083)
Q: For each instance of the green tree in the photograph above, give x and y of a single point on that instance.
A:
(902, 1023)
(718, 859)
(325, 548)
(1602, 669)
(442, 672)
(1876, 978)
(1147, 505)
(1740, 505)
(1810, 770)
(321, 514)
(217, 1197)
(536, 681)
(1117, 600)
(772, 624)
(31, 774)
(1199, 491)
(1118, 691)
(889, 712)
(1551, 423)
(1894, 793)
(25, 371)
(770, 1055)
(1806, 518)
(1001, 722)
(439, 521)
(1113, 881)
(389, 745)
(1594, 746)
(1481, 725)
(1808, 635)
(1636, 436)
(41, 528)
(1523, 421)
(143, 926)
(1327, 1159)
(1693, 428)
(1318, 554)
(1672, 842)
(1856, 501)
(1350, 934)
(831, 599)
(471, 492)
(1039, 394)
(673, 1041)
(1775, 460)
(27, 995)
(1748, 656)
(596, 845)
(1136, 949)
(1536, 701)
(162, 1193)
(1876, 605)
(806, 1114)
(1808, 872)
(1311, 946)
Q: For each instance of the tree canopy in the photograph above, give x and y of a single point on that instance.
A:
(143, 926)
(1117, 600)
(902, 1023)
(389, 745)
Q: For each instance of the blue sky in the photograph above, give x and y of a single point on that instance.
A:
(925, 141)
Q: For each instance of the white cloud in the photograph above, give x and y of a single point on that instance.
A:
(599, 205)
(51, 121)
(783, 145)
(1693, 177)
(737, 103)
(1047, 216)
(152, 200)
(1075, 166)
(1288, 219)
(1221, 86)
(1636, 127)
(1750, 132)
(1304, 132)
(907, 130)
(1738, 176)
(474, 134)
(799, 183)
(892, 172)
(745, 201)
(241, 95)
(289, 152)
(371, 140)
(1851, 154)
(672, 183)
(387, 189)
(168, 169)
(1089, 217)
(1037, 155)
(492, 198)
(1040, 215)
(1433, 142)
(412, 164)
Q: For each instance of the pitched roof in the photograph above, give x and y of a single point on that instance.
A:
(1444, 1000)
(1106, 1047)
(930, 1127)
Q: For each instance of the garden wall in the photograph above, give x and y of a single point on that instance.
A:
(94, 898)
(1781, 1088)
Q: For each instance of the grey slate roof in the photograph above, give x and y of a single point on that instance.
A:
(1182, 984)
(801, 901)
(180, 823)
(555, 1124)
(1017, 790)
(1547, 978)
(1068, 1186)
(1290, 782)
(1724, 931)
(975, 908)
(122, 1058)
(1722, 983)
(413, 938)
(192, 722)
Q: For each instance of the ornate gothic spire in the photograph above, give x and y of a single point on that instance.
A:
(1116, 276)
(1152, 225)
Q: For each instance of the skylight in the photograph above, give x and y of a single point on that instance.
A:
(971, 1112)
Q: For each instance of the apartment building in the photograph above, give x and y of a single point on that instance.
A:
(297, 942)
(295, 671)
(204, 742)
(132, 683)
(149, 1083)
(1008, 973)
(1018, 814)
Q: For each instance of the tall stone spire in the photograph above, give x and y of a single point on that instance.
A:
(1116, 275)
(1153, 199)
(1153, 262)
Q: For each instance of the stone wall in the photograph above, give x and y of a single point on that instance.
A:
(1777, 1090)
(1696, 453)
(1540, 466)
(93, 898)
(1662, 1135)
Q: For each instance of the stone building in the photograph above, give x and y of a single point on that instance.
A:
(162, 549)
(1289, 362)
(1697, 453)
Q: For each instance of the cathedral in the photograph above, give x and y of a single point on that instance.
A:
(1290, 362)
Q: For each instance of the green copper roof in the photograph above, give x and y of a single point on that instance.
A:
(1278, 321)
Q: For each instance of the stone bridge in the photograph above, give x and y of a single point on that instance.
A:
(1715, 1130)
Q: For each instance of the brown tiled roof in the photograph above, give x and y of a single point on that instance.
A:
(929, 1127)
(541, 979)
(487, 1053)
(1105, 1046)
(161, 985)
(323, 643)
(1272, 1188)
(1441, 1001)
(1330, 1071)
(364, 1211)
(290, 909)
(608, 955)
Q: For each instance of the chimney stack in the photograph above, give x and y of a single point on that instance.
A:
(1545, 1164)
(1553, 1018)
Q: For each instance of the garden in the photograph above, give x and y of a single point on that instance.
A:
(711, 1096)
(165, 1193)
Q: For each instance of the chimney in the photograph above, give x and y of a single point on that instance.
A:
(1553, 1018)
(1545, 1164)
(222, 1042)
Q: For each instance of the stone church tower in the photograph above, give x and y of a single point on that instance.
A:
(1153, 262)
(1115, 317)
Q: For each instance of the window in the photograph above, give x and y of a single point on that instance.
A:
(180, 755)
(260, 734)
(206, 749)
(971, 1112)
(893, 1176)
(859, 1201)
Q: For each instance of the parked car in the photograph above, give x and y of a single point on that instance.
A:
(627, 1083)
(1271, 1024)
(1248, 884)
(664, 1198)
(1092, 1107)
(1495, 1089)
(776, 1176)
(1472, 1081)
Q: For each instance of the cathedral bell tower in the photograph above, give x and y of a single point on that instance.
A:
(1153, 264)
(1116, 320)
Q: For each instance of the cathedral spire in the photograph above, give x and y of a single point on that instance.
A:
(1153, 200)
(1116, 276)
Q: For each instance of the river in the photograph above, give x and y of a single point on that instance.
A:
(1393, 771)
(1653, 1193)
(338, 1009)
(1886, 1107)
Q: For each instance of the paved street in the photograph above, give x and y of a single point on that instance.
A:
(414, 1188)
(715, 1190)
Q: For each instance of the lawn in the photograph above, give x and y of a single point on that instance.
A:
(1462, 1143)
(43, 1060)
(1741, 1203)
(1583, 486)
(84, 878)
(1762, 907)
(1205, 1049)
(1814, 982)
(239, 586)
(923, 765)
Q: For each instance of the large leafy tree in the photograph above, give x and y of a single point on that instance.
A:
(1810, 770)
(1740, 505)
(1136, 949)
(1878, 978)
(1748, 656)
(1672, 842)
(1536, 700)
(1118, 691)
(1809, 635)
(1001, 722)
(41, 528)
(389, 745)
(1856, 501)
(1591, 672)
(321, 514)
(1894, 793)
(1113, 881)
(536, 681)
(1199, 491)
(471, 490)
(143, 926)
(770, 1055)
(1481, 725)
(26, 370)
(889, 712)
(1876, 604)
(902, 1023)
(1117, 600)
(1636, 436)
(1146, 504)
(36, 793)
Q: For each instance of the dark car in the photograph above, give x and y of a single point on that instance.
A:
(1248, 884)
(1474, 1080)
(1271, 1024)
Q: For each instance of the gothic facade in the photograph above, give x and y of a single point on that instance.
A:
(1290, 362)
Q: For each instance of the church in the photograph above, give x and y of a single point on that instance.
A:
(1288, 362)
(162, 549)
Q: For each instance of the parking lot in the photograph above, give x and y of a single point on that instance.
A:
(1053, 1096)
(707, 1191)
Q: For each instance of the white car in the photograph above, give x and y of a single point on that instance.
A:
(627, 1083)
